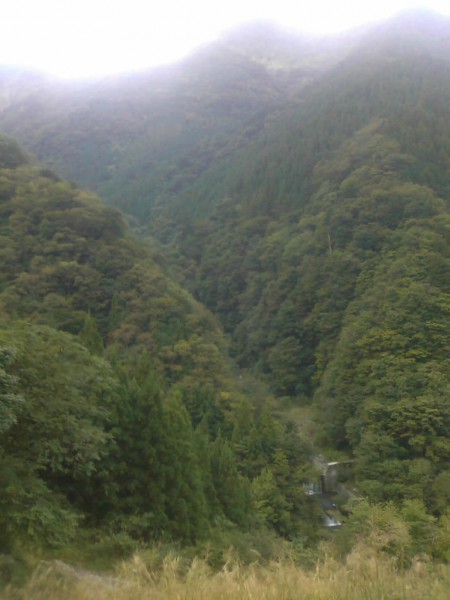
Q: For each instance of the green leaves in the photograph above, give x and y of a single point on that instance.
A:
(69, 396)
(404, 531)
(386, 391)
(11, 154)
(51, 443)
(10, 402)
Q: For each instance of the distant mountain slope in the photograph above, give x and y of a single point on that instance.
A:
(392, 73)
(324, 249)
(159, 137)
(144, 137)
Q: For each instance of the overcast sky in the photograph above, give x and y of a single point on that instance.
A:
(81, 38)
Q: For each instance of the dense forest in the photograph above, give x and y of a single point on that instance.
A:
(121, 410)
(277, 286)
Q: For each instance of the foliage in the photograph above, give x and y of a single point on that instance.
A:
(405, 532)
(309, 214)
(10, 402)
(118, 399)
(57, 438)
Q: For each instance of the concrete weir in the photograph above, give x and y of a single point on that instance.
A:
(328, 486)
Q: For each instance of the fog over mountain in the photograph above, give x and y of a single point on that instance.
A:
(263, 279)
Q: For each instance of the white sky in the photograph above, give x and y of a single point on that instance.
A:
(81, 38)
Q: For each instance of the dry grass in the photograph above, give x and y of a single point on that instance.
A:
(363, 576)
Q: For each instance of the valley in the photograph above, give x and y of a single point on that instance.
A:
(212, 273)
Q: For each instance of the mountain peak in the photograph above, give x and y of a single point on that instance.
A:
(421, 21)
(410, 32)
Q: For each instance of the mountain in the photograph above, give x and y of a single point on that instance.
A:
(299, 189)
(139, 137)
(120, 409)
(324, 251)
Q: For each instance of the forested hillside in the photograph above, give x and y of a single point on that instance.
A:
(141, 138)
(120, 409)
(333, 253)
(299, 189)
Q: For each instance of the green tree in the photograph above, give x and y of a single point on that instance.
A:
(10, 402)
(55, 443)
(232, 489)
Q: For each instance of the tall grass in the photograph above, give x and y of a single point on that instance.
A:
(362, 576)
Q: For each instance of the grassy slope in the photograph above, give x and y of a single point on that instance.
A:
(363, 576)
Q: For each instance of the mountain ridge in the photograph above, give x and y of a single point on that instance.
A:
(307, 208)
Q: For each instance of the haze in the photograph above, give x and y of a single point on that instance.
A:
(99, 37)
